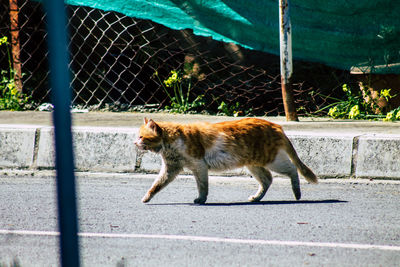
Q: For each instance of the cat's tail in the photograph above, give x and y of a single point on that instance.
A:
(305, 171)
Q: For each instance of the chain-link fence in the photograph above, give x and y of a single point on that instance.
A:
(114, 59)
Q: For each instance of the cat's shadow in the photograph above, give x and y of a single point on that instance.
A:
(267, 202)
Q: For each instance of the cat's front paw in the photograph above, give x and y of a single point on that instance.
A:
(200, 200)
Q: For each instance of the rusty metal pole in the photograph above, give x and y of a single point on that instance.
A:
(15, 44)
(285, 40)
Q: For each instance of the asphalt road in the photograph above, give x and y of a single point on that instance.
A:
(350, 223)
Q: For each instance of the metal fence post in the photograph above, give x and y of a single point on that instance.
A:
(285, 40)
(61, 97)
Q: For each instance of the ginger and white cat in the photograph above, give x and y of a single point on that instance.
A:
(255, 143)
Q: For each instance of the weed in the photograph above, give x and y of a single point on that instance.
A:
(362, 104)
(393, 115)
(229, 110)
(10, 97)
(178, 93)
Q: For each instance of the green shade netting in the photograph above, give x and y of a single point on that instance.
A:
(339, 33)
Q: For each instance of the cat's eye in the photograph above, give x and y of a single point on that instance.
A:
(140, 137)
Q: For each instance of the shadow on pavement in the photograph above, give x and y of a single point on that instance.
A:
(268, 202)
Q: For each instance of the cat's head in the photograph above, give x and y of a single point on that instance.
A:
(150, 136)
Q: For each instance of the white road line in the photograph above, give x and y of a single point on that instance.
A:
(210, 239)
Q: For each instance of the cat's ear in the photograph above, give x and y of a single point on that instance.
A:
(145, 120)
(154, 126)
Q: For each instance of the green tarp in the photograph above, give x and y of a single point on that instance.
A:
(339, 33)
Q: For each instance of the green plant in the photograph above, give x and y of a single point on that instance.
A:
(229, 110)
(178, 96)
(233, 110)
(362, 104)
(10, 97)
(393, 115)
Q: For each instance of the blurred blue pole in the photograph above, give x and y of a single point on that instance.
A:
(61, 97)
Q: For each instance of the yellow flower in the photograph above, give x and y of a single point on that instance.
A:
(173, 79)
(333, 112)
(174, 76)
(3, 40)
(389, 116)
(354, 112)
(10, 85)
(168, 83)
(386, 94)
(398, 115)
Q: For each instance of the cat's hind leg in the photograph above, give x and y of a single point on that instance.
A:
(264, 177)
(283, 165)
(200, 172)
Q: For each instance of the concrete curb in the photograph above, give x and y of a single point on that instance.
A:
(109, 149)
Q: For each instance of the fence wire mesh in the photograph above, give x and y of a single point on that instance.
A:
(114, 59)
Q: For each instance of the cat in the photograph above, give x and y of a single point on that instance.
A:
(257, 144)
